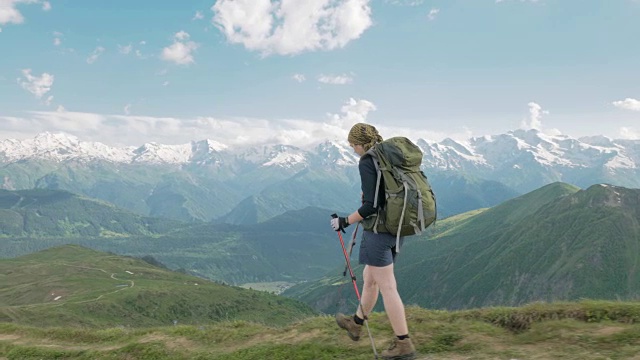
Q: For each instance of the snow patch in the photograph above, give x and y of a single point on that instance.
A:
(286, 160)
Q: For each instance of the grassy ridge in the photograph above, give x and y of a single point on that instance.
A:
(584, 330)
(75, 286)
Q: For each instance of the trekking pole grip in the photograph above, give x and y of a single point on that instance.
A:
(334, 215)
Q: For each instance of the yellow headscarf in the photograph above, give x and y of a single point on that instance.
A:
(365, 135)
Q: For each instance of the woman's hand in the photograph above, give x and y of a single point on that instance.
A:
(339, 223)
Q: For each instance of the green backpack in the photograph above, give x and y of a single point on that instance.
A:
(410, 202)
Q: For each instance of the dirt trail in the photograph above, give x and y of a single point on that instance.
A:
(131, 282)
(60, 303)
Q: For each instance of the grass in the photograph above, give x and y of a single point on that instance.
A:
(583, 330)
(73, 286)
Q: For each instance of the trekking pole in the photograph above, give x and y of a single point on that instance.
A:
(355, 287)
(352, 244)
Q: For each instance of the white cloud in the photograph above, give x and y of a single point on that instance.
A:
(57, 38)
(535, 117)
(95, 55)
(433, 13)
(299, 78)
(291, 27)
(180, 52)
(166, 83)
(49, 100)
(628, 104)
(531, 1)
(9, 13)
(198, 16)
(127, 109)
(125, 49)
(181, 35)
(135, 130)
(129, 49)
(60, 120)
(405, 2)
(37, 85)
(352, 112)
(335, 79)
(629, 133)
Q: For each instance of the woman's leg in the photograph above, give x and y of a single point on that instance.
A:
(385, 280)
(369, 295)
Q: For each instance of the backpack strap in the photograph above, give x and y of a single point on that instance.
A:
(374, 157)
(404, 207)
(371, 152)
(420, 211)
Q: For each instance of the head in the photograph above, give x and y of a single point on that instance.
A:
(363, 137)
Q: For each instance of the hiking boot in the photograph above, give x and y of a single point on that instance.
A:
(400, 350)
(347, 323)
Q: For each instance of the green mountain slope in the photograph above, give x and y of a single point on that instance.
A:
(555, 243)
(320, 188)
(295, 246)
(581, 245)
(75, 286)
(457, 194)
(57, 213)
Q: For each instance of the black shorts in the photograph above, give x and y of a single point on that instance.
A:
(378, 249)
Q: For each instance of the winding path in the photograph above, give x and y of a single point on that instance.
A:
(112, 276)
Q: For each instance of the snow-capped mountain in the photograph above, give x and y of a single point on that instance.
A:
(521, 159)
(514, 149)
(335, 153)
(60, 147)
(205, 179)
(529, 159)
(285, 156)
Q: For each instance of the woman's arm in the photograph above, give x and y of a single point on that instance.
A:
(368, 180)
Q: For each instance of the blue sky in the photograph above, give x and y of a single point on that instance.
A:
(293, 71)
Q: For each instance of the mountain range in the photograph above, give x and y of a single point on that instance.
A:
(37, 219)
(558, 242)
(206, 180)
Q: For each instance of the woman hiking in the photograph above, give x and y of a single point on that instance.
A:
(377, 253)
